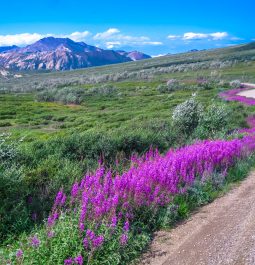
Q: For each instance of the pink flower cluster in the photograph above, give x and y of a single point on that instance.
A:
(152, 181)
(231, 95)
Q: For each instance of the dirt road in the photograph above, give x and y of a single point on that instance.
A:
(248, 93)
(248, 85)
(222, 232)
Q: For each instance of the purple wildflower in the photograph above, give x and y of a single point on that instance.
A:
(19, 254)
(126, 226)
(68, 261)
(35, 241)
(123, 239)
(78, 260)
(81, 227)
(85, 243)
(98, 241)
(90, 234)
(74, 191)
(50, 234)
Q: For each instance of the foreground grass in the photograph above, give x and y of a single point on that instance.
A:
(141, 232)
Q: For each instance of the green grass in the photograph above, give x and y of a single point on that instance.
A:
(134, 103)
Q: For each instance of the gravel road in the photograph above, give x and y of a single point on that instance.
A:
(222, 232)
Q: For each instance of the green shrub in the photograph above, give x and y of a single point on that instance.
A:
(213, 121)
(186, 115)
(65, 95)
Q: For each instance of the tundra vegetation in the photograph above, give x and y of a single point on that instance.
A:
(93, 161)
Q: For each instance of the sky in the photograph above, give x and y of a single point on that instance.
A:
(152, 26)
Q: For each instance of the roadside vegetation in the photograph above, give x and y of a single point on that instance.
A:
(107, 127)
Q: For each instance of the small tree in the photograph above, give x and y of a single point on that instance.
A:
(186, 115)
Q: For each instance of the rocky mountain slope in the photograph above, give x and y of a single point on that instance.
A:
(62, 54)
(134, 55)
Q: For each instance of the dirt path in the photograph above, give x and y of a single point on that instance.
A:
(248, 85)
(248, 93)
(222, 232)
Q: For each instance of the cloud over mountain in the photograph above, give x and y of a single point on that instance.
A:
(29, 38)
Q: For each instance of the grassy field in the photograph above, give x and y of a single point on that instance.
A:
(133, 103)
(56, 126)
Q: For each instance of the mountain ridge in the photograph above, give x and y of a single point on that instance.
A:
(62, 54)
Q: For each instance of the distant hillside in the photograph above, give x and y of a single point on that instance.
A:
(245, 47)
(61, 54)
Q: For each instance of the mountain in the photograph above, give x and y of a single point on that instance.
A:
(62, 54)
(8, 48)
(135, 55)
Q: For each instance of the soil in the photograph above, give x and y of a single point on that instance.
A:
(222, 232)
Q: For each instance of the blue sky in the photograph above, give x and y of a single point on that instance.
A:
(155, 27)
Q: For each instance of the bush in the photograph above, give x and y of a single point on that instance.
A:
(170, 86)
(104, 90)
(213, 121)
(15, 216)
(8, 148)
(235, 84)
(186, 116)
(66, 95)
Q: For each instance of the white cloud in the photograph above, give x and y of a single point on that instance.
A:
(173, 37)
(113, 38)
(19, 39)
(107, 34)
(209, 36)
(29, 38)
(199, 36)
(112, 44)
(158, 55)
(110, 39)
(194, 36)
(218, 35)
(78, 36)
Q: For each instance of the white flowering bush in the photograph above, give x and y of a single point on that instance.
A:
(8, 149)
(235, 84)
(186, 115)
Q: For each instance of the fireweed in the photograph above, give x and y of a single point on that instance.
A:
(106, 204)
(232, 95)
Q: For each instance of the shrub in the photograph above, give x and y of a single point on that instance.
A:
(104, 90)
(8, 148)
(235, 84)
(214, 120)
(15, 216)
(186, 116)
(170, 86)
(65, 95)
